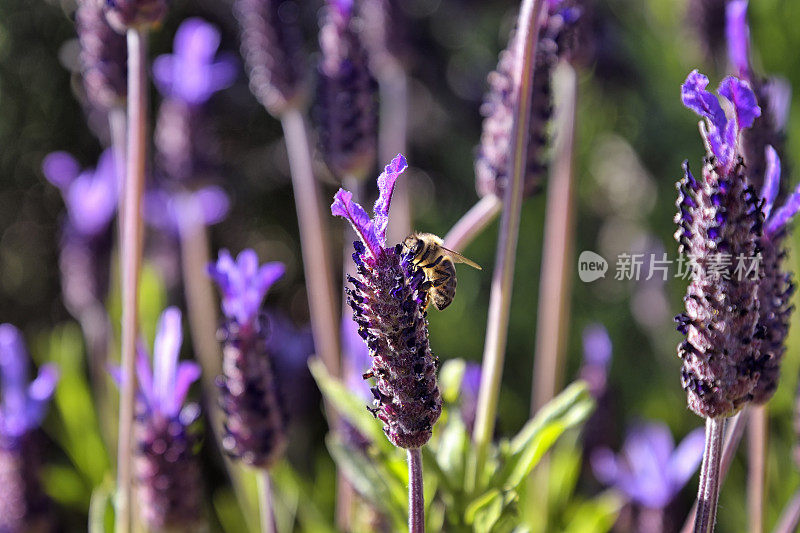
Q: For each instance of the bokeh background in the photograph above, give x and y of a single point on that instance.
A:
(633, 134)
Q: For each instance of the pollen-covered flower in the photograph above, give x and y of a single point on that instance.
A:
(388, 297)
(255, 422)
(167, 469)
(719, 218)
(272, 47)
(103, 56)
(492, 162)
(346, 109)
(136, 14)
(776, 286)
(23, 504)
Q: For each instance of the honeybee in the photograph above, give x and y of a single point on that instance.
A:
(438, 263)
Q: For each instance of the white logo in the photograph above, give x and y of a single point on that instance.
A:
(591, 266)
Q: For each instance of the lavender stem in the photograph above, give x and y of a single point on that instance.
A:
(416, 498)
(554, 284)
(265, 502)
(708, 490)
(790, 517)
(393, 87)
(473, 222)
(131, 258)
(756, 455)
(313, 238)
(503, 275)
(732, 438)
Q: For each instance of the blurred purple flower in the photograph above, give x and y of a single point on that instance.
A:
(356, 360)
(90, 196)
(243, 283)
(190, 73)
(650, 470)
(596, 358)
(169, 211)
(470, 387)
(718, 131)
(24, 402)
(737, 33)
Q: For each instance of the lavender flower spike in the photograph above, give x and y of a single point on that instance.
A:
(650, 470)
(103, 56)
(191, 74)
(255, 424)
(388, 298)
(776, 286)
(719, 216)
(23, 504)
(168, 474)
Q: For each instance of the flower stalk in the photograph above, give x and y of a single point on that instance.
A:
(473, 222)
(131, 254)
(756, 448)
(708, 491)
(416, 500)
(503, 276)
(266, 514)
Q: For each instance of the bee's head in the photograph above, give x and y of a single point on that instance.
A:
(413, 244)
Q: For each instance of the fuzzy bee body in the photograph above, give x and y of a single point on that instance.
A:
(438, 263)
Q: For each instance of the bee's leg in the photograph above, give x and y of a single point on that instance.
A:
(431, 265)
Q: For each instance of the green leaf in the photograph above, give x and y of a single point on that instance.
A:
(597, 515)
(309, 515)
(524, 451)
(485, 511)
(101, 508)
(450, 377)
(450, 455)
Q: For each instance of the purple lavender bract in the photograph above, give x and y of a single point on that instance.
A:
(719, 214)
(388, 299)
(255, 423)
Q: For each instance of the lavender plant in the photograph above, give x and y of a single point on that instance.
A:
(23, 504)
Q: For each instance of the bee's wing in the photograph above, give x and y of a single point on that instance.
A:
(458, 258)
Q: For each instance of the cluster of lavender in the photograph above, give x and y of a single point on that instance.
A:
(23, 504)
(388, 296)
(491, 162)
(255, 423)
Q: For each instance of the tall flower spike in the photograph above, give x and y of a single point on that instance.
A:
(255, 423)
(166, 464)
(720, 224)
(23, 504)
(491, 162)
(346, 109)
(135, 14)
(103, 56)
(388, 298)
(776, 287)
(272, 47)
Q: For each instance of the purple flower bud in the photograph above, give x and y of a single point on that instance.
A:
(650, 470)
(388, 297)
(491, 162)
(721, 358)
(255, 422)
(126, 14)
(167, 468)
(346, 109)
(103, 56)
(191, 74)
(272, 47)
(470, 388)
(23, 504)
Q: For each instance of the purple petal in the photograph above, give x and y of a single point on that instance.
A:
(42, 388)
(695, 97)
(355, 359)
(163, 73)
(744, 102)
(686, 458)
(115, 371)
(243, 284)
(92, 197)
(13, 377)
(344, 206)
(343, 7)
(268, 274)
(604, 466)
(214, 204)
(784, 214)
(144, 373)
(188, 372)
(772, 179)
(386, 183)
(158, 211)
(169, 336)
(196, 41)
(596, 346)
(778, 95)
(60, 168)
(738, 36)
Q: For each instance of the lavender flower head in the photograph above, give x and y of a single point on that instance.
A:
(23, 406)
(650, 470)
(776, 287)
(491, 162)
(169, 480)
(272, 47)
(719, 214)
(596, 358)
(255, 424)
(388, 298)
(135, 14)
(346, 108)
(103, 56)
